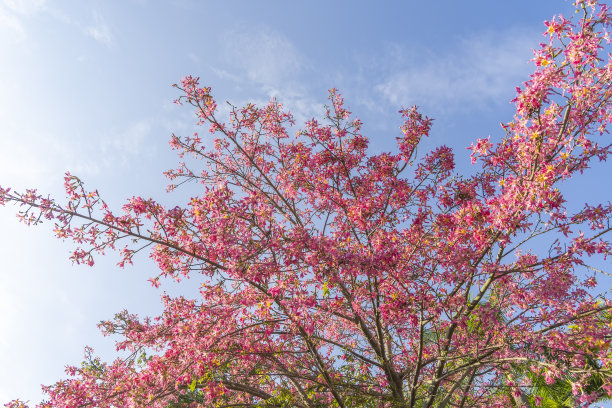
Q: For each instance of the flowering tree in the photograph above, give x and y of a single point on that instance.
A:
(331, 277)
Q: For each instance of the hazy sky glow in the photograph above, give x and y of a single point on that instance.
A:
(85, 87)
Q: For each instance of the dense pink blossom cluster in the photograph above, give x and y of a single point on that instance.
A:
(333, 277)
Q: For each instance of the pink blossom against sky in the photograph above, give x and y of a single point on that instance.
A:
(85, 87)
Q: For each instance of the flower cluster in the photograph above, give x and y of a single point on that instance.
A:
(333, 277)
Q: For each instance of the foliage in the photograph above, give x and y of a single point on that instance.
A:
(562, 392)
(333, 277)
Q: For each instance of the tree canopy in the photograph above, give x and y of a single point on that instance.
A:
(335, 277)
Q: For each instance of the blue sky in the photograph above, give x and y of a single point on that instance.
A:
(86, 87)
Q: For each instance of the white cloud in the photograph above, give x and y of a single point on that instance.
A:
(482, 71)
(267, 57)
(112, 150)
(48, 155)
(128, 143)
(12, 13)
(11, 23)
(225, 74)
(25, 7)
(99, 30)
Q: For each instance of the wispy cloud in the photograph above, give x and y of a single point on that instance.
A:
(127, 143)
(482, 71)
(11, 23)
(267, 59)
(13, 12)
(114, 149)
(49, 155)
(99, 30)
(25, 7)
